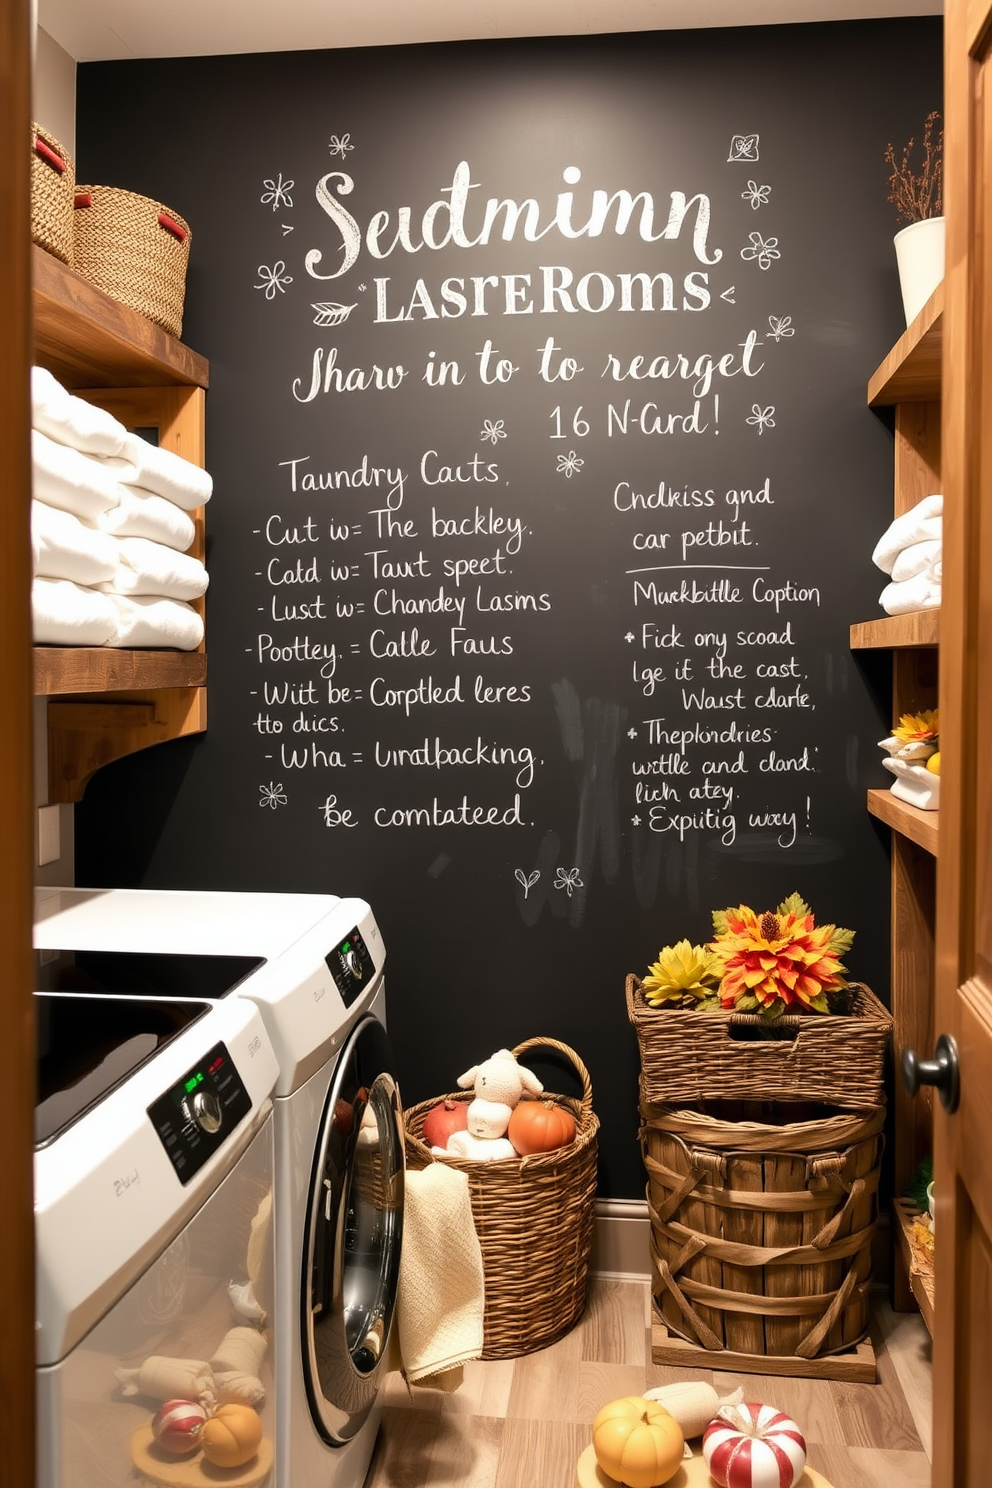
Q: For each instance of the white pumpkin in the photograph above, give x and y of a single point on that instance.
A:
(754, 1446)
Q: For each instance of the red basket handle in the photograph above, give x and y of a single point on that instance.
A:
(48, 155)
(172, 226)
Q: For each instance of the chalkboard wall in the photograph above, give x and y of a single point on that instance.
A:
(545, 496)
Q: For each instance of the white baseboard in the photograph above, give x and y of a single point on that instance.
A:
(621, 1239)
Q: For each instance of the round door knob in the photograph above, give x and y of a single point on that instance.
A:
(941, 1071)
(207, 1111)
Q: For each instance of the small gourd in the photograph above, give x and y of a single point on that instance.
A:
(232, 1436)
(754, 1446)
(540, 1126)
(637, 1442)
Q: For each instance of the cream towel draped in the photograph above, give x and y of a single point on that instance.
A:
(441, 1296)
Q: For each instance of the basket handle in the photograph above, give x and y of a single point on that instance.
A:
(51, 157)
(572, 1057)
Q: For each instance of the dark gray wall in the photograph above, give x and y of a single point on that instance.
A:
(545, 690)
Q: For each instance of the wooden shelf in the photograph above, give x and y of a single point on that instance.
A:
(911, 371)
(919, 826)
(920, 1275)
(86, 339)
(61, 671)
(896, 632)
(104, 703)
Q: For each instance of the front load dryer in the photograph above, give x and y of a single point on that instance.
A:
(314, 970)
(154, 1158)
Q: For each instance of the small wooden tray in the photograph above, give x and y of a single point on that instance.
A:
(692, 1474)
(162, 1468)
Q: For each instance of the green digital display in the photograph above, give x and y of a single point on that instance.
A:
(192, 1082)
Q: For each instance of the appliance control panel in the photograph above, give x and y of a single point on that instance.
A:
(198, 1114)
(351, 966)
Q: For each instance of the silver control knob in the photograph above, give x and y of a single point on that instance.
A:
(207, 1111)
(353, 964)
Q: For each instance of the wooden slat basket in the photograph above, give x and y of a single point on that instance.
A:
(761, 1236)
(135, 250)
(534, 1219)
(53, 189)
(691, 1056)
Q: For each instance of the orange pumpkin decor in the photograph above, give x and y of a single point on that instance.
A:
(232, 1436)
(540, 1126)
(637, 1442)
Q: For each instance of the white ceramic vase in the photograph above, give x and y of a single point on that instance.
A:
(920, 257)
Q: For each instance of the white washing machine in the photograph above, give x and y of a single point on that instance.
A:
(153, 1170)
(315, 973)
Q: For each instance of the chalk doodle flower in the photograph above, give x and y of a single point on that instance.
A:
(568, 879)
(272, 795)
(274, 279)
(569, 465)
(493, 431)
(762, 418)
(756, 195)
(780, 327)
(743, 147)
(770, 963)
(340, 144)
(763, 250)
(277, 192)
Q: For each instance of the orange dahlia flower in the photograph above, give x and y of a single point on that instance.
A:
(778, 962)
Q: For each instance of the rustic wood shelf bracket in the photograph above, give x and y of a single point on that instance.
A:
(84, 735)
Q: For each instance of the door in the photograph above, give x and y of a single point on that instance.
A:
(352, 1238)
(963, 1137)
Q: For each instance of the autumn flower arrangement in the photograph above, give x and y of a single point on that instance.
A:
(768, 963)
(918, 194)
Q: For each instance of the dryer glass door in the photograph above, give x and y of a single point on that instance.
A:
(353, 1235)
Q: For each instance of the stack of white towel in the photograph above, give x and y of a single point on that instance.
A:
(910, 551)
(110, 527)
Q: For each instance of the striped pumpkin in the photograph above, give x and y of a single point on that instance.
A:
(754, 1446)
(177, 1426)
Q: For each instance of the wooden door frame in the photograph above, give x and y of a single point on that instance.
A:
(961, 1002)
(17, 1046)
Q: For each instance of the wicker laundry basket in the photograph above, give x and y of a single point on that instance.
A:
(53, 190)
(761, 1230)
(534, 1219)
(135, 250)
(695, 1056)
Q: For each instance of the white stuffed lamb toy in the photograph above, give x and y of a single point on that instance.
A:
(499, 1083)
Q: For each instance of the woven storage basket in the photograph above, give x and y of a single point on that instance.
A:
(693, 1056)
(533, 1216)
(53, 190)
(761, 1230)
(135, 250)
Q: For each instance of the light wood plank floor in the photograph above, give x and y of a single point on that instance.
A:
(523, 1423)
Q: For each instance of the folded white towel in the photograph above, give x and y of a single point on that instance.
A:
(77, 483)
(147, 567)
(71, 420)
(154, 469)
(441, 1297)
(140, 514)
(66, 548)
(918, 593)
(921, 524)
(146, 620)
(917, 558)
(66, 614)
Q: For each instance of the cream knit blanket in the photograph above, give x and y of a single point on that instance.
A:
(442, 1286)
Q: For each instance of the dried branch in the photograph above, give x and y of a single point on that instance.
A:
(917, 195)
